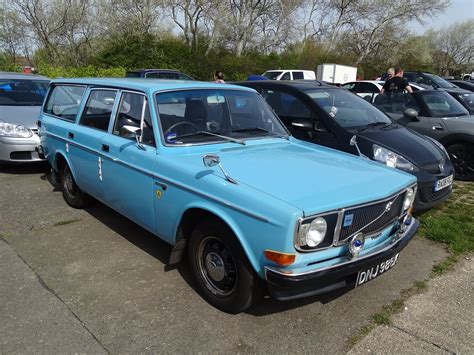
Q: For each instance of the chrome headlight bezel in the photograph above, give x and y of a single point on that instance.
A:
(392, 159)
(314, 224)
(410, 196)
(12, 130)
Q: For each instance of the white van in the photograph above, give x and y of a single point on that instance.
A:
(282, 74)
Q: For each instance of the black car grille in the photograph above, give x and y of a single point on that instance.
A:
(428, 194)
(362, 216)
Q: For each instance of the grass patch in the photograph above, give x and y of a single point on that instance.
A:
(65, 222)
(452, 223)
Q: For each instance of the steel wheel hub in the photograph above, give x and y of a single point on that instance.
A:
(215, 266)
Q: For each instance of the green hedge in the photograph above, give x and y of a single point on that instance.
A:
(79, 72)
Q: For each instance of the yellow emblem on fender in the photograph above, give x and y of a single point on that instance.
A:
(158, 194)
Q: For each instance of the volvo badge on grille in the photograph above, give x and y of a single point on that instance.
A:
(388, 206)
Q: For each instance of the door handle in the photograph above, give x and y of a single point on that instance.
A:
(438, 128)
(70, 135)
(105, 147)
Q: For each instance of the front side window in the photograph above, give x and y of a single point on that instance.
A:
(286, 105)
(98, 109)
(441, 104)
(132, 108)
(210, 116)
(18, 92)
(286, 76)
(64, 101)
(349, 86)
(298, 75)
(348, 110)
(272, 75)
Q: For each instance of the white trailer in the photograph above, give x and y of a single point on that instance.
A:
(336, 73)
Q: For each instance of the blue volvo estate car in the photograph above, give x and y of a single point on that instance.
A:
(211, 170)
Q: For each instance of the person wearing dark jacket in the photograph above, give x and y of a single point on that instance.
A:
(396, 84)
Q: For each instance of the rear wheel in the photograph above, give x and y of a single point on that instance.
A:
(462, 157)
(72, 194)
(220, 268)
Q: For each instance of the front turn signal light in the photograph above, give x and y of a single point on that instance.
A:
(282, 259)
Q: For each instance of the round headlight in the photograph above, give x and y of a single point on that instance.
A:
(409, 198)
(316, 232)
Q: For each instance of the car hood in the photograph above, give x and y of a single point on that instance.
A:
(24, 115)
(417, 148)
(460, 123)
(310, 178)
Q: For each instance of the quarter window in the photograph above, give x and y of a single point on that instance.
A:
(298, 75)
(64, 101)
(132, 108)
(98, 109)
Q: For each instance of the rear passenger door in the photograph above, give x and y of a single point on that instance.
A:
(128, 181)
(86, 149)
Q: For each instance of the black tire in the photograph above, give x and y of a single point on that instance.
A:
(72, 194)
(221, 269)
(462, 157)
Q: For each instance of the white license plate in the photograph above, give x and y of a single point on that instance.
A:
(443, 183)
(369, 274)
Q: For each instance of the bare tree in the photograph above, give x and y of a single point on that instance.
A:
(455, 45)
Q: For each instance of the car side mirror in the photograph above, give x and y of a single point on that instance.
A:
(302, 124)
(411, 114)
(210, 160)
(133, 132)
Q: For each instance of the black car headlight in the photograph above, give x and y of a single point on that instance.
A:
(316, 232)
(391, 159)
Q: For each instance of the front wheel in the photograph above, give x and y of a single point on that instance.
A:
(72, 194)
(462, 157)
(220, 268)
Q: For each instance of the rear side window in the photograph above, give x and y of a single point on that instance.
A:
(64, 101)
(298, 75)
(98, 109)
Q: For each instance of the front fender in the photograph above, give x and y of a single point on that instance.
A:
(457, 137)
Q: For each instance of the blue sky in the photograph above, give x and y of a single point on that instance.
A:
(460, 10)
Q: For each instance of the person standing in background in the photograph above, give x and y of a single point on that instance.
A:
(396, 84)
(390, 73)
(219, 77)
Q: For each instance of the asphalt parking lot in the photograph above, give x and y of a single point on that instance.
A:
(93, 281)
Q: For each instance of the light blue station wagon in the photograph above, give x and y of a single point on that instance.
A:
(211, 170)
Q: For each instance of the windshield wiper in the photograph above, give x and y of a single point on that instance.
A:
(373, 124)
(230, 139)
(259, 129)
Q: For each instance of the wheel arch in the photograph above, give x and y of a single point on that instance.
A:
(457, 138)
(195, 214)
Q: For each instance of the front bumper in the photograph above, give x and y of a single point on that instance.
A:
(20, 150)
(286, 286)
(427, 198)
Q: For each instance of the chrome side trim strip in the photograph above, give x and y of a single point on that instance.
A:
(394, 241)
(164, 180)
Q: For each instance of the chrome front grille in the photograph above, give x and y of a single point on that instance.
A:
(371, 218)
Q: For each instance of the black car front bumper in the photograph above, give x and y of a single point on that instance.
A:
(285, 286)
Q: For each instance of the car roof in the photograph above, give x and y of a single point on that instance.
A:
(146, 84)
(299, 84)
(11, 75)
(148, 70)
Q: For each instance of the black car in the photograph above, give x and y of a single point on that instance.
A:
(463, 84)
(437, 114)
(169, 74)
(332, 117)
(429, 80)
(465, 98)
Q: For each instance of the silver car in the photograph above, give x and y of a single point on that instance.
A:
(21, 97)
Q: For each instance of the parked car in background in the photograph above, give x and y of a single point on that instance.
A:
(210, 169)
(439, 115)
(428, 79)
(21, 97)
(463, 84)
(169, 74)
(465, 98)
(331, 116)
(369, 89)
(289, 74)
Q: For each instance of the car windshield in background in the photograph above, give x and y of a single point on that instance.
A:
(441, 104)
(468, 99)
(132, 74)
(438, 81)
(210, 116)
(349, 110)
(272, 75)
(18, 92)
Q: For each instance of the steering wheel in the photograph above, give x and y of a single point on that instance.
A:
(180, 124)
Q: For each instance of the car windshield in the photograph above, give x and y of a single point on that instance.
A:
(348, 109)
(441, 104)
(20, 92)
(272, 75)
(215, 115)
(429, 79)
(468, 99)
(132, 74)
